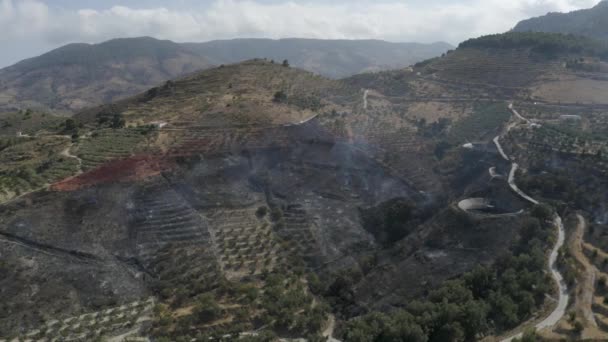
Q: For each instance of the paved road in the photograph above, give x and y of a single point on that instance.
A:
(518, 115)
(560, 310)
(564, 297)
(514, 187)
(499, 147)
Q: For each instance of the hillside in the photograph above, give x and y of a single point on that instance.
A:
(263, 201)
(330, 58)
(81, 75)
(591, 22)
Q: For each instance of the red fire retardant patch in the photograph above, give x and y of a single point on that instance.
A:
(121, 170)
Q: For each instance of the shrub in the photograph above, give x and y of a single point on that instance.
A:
(262, 211)
(280, 97)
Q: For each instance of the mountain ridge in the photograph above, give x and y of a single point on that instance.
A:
(590, 22)
(80, 75)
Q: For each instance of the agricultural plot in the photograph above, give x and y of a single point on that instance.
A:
(162, 217)
(245, 243)
(28, 122)
(484, 121)
(31, 163)
(108, 144)
(181, 273)
(199, 140)
(560, 139)
(93, 325)
(508, 69)
(599, 305)
(296, 230)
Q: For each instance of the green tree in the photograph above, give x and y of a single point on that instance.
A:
(117, 121)
(207, 309)
(70, 125)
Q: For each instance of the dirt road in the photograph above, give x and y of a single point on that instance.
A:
(66, 153)
(329, 331)
(585, 299)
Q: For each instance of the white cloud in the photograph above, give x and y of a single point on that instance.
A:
(413, 20)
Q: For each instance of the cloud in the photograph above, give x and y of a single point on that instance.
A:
(413, 20)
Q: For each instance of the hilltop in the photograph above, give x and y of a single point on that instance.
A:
(592, 23)
(76, 76)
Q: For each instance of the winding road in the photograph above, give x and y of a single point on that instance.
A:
(564, 297)
(514, 168)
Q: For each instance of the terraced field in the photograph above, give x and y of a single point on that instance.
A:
(108, 144)
(95, 325)
(245, 243)
(509, 68)
(297, 230)
(162, 217)
(598, 291)
(481, 123)
(554, 138)
(182, 272)
(31, 163)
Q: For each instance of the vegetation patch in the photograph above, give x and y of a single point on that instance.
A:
(484, 120)
(546, 44)
(489, 299)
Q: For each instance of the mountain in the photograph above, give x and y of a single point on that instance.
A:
(330, 58)
(81, 75)
(265, 201)
(591, 22)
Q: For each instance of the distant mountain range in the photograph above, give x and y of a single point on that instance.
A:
(82, 75)
(331, 58)
(591, 22)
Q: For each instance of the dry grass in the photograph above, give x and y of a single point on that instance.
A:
(572, 90)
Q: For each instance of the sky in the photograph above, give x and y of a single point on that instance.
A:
(31, 27)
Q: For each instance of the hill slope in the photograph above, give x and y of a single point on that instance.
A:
(591, 22)
(81, 75)
(269, 197)
(331, 58)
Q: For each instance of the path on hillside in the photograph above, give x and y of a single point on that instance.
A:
(365, 93)
(67, 153)
(328, 333)
(562, 303)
